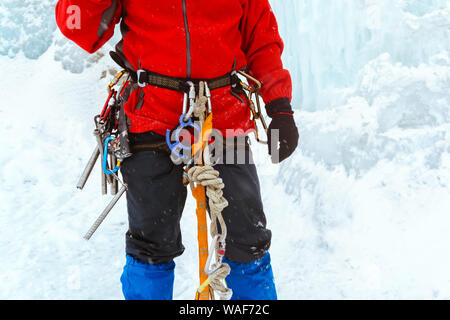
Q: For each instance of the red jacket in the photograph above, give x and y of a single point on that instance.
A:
(186, 39)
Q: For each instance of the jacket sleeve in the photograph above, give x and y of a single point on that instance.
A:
(263, 47)
(89, 23)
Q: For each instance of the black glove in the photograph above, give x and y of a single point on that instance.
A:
(282, 115)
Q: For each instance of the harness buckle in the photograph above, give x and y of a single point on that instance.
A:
(138, 80)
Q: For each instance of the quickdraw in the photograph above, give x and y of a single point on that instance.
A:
(253, 92)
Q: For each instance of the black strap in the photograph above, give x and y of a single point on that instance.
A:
(145, 77)
(150, 141)
(155, 146)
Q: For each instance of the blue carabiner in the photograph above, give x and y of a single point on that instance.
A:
(105, 158)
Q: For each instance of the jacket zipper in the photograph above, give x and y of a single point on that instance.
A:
(188, 39)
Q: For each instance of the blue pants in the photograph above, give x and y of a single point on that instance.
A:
(144, 281)
(249, 281)
(155, 201)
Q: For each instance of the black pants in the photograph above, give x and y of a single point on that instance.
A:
(156, 197)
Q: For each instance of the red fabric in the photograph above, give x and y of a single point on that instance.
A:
(154, 34)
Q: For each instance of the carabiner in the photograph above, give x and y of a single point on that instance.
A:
(221, 253)
(116, 79)
(187, 114)
(208, 96)
(105, 158)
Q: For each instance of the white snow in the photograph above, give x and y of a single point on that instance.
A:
(360, 211)
(371, 178)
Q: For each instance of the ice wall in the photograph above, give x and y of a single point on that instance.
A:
(371, 177)
(365, 69)
(329, 41)
(26, 26)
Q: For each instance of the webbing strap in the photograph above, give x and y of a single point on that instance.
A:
(144, 77)
(205, 182)
(155, 146)
(199, 194)
(163, 82)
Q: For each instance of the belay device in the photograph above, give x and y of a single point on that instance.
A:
(111, 134)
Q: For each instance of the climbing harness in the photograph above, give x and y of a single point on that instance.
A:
(112, 147)
(203, 179)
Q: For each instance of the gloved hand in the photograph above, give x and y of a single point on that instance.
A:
(282, 115)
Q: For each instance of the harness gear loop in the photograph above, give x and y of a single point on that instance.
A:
(206, 183)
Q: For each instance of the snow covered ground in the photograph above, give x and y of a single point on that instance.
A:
(360, 211)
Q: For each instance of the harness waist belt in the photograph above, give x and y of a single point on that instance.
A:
(145, 77)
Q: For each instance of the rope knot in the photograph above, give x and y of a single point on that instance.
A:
(208, 177)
